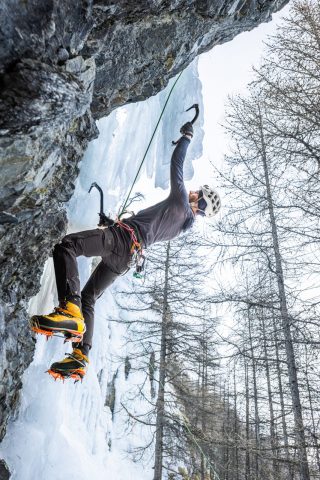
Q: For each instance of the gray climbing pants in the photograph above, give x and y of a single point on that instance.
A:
(112, 244)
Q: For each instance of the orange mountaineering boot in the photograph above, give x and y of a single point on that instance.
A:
(73, 366)
(66, 320)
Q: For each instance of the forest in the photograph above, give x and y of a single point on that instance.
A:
(224, 328)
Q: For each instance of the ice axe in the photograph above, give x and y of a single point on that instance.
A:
(104, 220)
(196, 107)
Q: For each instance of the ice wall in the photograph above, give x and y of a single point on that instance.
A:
(114, 158)
(66, 430)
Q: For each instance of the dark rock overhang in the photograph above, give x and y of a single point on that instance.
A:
(62, 65)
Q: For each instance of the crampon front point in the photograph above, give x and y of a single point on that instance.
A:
(73, 366)
(76, 375)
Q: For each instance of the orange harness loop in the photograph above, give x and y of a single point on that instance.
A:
(136, 246)
(135, 250)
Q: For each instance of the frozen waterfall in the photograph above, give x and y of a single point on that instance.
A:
(66, 430)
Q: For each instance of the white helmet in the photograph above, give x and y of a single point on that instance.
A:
(212, 199)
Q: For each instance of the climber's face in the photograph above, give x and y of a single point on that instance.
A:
(193, 197)
(193, 200)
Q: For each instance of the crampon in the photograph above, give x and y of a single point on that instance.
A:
(76, 375)
(73, 366)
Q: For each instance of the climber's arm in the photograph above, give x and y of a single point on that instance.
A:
(178, 189)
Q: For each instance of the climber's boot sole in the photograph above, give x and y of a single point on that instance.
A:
(72, 329)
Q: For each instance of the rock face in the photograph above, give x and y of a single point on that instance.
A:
(62, 65)
(4, 471)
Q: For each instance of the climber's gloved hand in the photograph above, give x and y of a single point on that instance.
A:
(187, 129)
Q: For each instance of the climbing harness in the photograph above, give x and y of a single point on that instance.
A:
(136, 247)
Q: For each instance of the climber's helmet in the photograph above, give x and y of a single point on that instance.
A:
(208, 201)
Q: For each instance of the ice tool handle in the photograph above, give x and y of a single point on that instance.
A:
(196, 107)
(104, 220)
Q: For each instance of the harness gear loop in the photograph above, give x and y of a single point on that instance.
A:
(136, 245)
(136, 248)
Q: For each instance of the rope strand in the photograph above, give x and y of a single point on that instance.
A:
(122, 210)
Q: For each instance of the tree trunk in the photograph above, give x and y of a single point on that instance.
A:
(226, 429)
(235, 427)
(274, 442)
(255, 399)
(314, 428)
(204, 383)
(248, 466)
(283, 412)
(292, 368)
(160, 405)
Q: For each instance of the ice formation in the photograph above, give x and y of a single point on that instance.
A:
(66, 430)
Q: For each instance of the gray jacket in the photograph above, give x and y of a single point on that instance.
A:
(167, 219)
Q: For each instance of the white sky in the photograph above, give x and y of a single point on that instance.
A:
(223, 71)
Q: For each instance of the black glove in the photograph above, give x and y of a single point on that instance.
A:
(187, 129)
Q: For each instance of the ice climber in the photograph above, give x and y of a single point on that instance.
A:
(116, 245)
